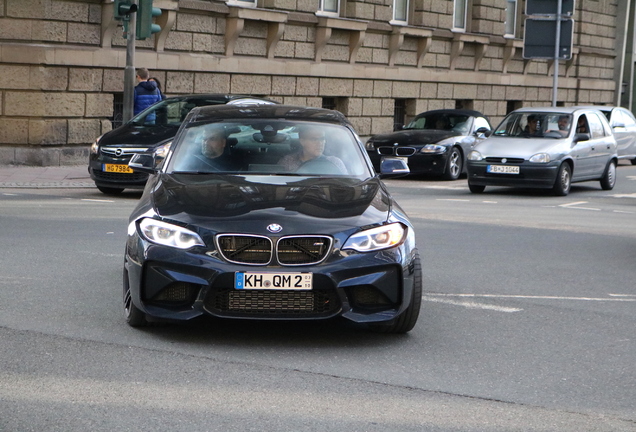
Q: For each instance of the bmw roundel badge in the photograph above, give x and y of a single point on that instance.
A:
(274, 228)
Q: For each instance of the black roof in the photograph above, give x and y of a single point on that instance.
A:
(283, 112)
(453, 111)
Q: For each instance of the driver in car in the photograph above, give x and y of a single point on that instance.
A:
(312, 146)
(213, 155)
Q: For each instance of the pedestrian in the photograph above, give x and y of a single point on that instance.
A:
(146, 92)
(156, 80)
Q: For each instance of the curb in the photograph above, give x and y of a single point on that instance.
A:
(47, 185)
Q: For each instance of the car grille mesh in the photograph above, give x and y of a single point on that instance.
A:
(274, 302)
(302, 250)
(123, 151)
(136, 176)
(508, 160)
(397, 151)
(255, 250)
(246, 249)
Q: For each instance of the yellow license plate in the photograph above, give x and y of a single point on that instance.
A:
(116, 168)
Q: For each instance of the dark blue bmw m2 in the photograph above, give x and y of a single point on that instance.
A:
(270, 212)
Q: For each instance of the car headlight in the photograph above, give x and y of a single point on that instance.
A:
(166, 234)
(369, 145)
(433, 148)
(375, 239)
(95, 145)
(540, 158)
(162, 151)
(475, 156)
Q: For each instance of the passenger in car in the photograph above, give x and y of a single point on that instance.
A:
(312, 146)
(564, 125)
(531, 128)
(582, 125)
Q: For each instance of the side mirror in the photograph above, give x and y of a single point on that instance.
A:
(581, 137)
(391, 167)
(143, 162)
(483, 130)
(618, 126)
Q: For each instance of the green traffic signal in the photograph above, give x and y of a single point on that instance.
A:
(145, 13)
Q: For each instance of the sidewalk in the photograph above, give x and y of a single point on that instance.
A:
(71, 176)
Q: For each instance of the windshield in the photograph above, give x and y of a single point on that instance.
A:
(442, 121)
(535, 125)
(266, 146)
(171, 112)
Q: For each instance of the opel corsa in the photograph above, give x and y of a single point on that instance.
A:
(270, 212)
(546, 148)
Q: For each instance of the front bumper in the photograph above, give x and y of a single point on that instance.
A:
(135, 180)
(542, 176)
(172, 284)
(419, 163)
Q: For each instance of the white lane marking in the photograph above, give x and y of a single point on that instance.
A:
(622, 295)
(489, 202)
(471, 305)
(97, 200)
(452, 199)
(621, 211)
(633, 195)
(631, 177)
(571, 205)
(9, 194)
(529, 297)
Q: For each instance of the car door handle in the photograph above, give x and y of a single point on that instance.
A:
(593, 148)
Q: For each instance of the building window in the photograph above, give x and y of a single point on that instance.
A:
(329, 103)
(329, 7)
(511, 18)
(118, 110)
(465, 104)
(460, 13)
(242, 3)
(400, 11)
(399, 114)
(512, 105)
(336, 103)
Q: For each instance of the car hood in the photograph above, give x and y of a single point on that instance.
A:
(518, 147)
(228, 203)
(413, 137)
(138, 135)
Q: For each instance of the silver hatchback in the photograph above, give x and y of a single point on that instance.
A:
(547, 148)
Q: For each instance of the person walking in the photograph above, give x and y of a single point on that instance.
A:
(156, 80)
(146, 92)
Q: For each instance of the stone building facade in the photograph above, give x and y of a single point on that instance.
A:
(62, 62)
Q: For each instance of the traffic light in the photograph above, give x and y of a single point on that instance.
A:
(123, 8)
(145, 13)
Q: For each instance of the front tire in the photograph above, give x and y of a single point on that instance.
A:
(454, 165)
(563, 181)
(609, 178)
(134, 316)
(407, 319)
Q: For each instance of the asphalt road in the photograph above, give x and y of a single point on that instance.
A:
(527, 325)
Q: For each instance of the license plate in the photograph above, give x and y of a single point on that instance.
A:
(273, 281)
(117, 168)
(502, 169)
